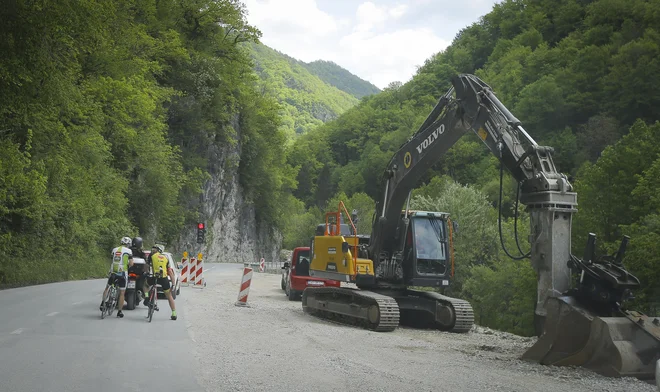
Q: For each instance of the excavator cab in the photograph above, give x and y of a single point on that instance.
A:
(428, 255)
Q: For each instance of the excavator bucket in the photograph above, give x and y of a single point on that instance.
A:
(611, 346)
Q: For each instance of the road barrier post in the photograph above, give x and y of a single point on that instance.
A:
(245, 287)
(199, 274)
(191, 270)
(184, 272)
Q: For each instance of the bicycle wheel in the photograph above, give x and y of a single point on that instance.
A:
(152, 304)
(113, 300)
(105, 304)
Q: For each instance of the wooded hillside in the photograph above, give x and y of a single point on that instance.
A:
(306, 100)
(310, 94)
(108, 114)
(339, 77)
(581, 76)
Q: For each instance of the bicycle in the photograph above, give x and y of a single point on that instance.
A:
(110, 300)
(153, 294)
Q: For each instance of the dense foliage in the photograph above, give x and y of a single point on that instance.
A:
(581, 76)
(306, 100)
(111, 116)
(339, 77)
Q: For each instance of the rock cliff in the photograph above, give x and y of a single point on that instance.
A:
(232, 232)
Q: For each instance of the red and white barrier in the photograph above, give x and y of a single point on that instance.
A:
(245, 287)
(192, 272)
(184, 271)
(192, 265)
(199, 274)
(262, 265)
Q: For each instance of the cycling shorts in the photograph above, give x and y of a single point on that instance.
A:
(120, 278)
(163, 282)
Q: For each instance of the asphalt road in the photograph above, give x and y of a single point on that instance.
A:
(52, 338)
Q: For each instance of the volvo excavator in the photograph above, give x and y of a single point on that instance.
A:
(580, 312)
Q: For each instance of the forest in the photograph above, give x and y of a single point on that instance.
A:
(306, 101)
(581, 76)
(110, 112)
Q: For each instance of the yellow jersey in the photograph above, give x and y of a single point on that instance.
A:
(159, 260)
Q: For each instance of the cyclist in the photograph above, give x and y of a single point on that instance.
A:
(157, 259)
(122, 259)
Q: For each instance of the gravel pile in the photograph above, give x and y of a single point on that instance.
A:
(274, 346)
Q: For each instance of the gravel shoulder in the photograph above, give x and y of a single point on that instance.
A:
(274, 346)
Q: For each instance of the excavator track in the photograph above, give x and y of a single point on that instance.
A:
(350, 306)
(382, 312)
(452, 314)
(464, 316)
(428, 309)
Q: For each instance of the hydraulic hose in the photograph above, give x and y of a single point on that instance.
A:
(515, 224)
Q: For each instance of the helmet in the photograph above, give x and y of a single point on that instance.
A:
(158, 247)
(137, 243)
(126, 241)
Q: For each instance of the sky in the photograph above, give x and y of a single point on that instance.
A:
(381, 41)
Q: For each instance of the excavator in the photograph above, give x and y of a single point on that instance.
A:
(580, 314)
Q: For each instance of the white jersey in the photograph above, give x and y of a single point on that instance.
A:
(120, 256)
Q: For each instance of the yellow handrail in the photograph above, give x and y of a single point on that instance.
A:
(348, 216)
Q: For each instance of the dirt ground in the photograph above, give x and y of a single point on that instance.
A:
(273, 346)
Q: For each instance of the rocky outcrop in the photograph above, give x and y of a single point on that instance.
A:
(232, 234)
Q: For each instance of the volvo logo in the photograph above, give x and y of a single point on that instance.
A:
(431, 138)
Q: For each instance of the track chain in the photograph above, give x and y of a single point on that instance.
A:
(462, 310)
(388, 309)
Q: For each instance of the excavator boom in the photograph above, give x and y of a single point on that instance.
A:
(579, 326)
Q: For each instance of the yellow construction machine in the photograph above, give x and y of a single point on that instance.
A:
(379, 303)
(580, 312)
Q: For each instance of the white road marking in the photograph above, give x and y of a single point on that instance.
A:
(77, 303)
(52, 314)
(17, 332)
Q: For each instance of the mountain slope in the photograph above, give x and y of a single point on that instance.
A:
(306, 100)
(341, 78)
(147, 121)
(580, 76)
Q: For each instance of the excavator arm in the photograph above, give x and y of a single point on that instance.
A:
(471, 106)
(579, 326)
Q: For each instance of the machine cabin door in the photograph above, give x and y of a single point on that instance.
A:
(427, 251)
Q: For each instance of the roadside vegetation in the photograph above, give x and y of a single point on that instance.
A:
(111, 113)
(581, 76)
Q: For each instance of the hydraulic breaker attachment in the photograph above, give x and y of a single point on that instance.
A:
(589, 328)
(627, 346)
